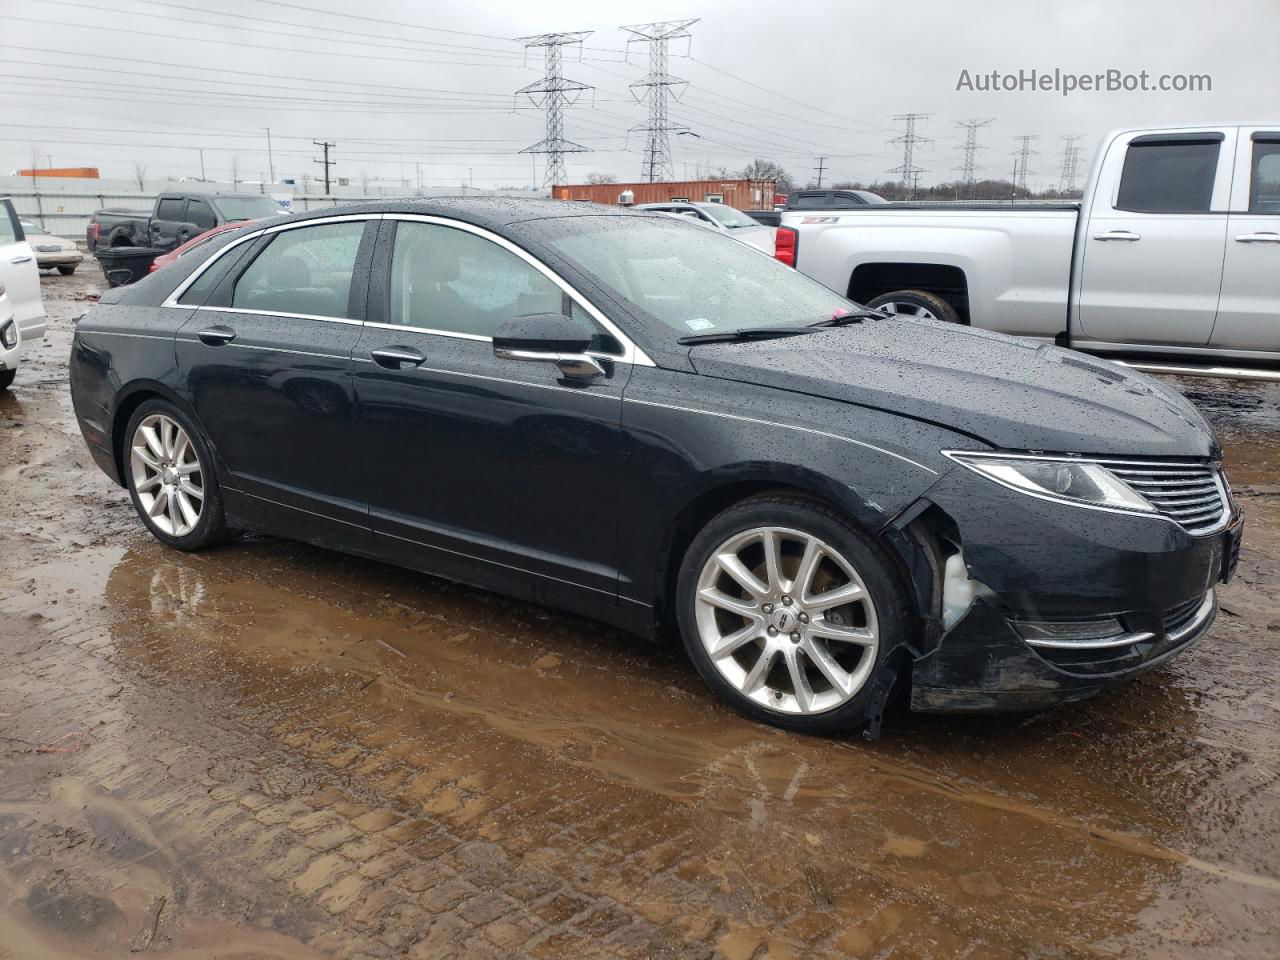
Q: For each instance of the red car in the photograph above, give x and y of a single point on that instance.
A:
(195, 242)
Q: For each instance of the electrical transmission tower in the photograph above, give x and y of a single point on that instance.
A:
(1022, 159)
(657, 86)
(909, 171)
(970, 148)
(553, 93)
(1070, 162)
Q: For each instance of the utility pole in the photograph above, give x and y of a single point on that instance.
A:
(970, 148)
(908, 170)
(1023, 157)
(325, 145)
(1070, 162)
(271, 163)
(658, 87)
(820, 168)
(200, 150)
(553, 93)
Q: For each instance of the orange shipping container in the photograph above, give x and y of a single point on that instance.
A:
(83, 173)
(743, 194)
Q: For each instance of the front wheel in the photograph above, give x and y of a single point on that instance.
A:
(917, 304)
(66, 271)
(169, 470)
(6, 378)
(787, 609)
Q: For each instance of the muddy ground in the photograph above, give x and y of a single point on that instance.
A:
(272, 751)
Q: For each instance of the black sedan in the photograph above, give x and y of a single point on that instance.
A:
(626, 416)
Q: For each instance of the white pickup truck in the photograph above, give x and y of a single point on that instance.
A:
(1172, 260)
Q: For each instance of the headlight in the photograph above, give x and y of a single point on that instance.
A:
(1065, 480)
(9, 335)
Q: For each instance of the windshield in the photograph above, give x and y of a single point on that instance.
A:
(729, 217)
(247, 208)
(688, 279)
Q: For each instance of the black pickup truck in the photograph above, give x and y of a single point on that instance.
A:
(175, 219)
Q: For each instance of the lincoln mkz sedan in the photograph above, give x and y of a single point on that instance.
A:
(630, 417)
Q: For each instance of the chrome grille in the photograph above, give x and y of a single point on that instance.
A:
(1189, 494)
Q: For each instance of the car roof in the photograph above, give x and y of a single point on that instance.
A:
(489, 212)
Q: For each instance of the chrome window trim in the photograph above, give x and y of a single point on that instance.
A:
(274, 313)
(172, 299)
(785, 426)
(631, 353)
(1228, 510)
(429, 330)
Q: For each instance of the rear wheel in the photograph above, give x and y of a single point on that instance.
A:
(6, 378)
(787, 610)
(66, 271)
(916, 303)
(171, 480)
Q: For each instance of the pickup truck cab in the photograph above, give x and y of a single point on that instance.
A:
(1172, 258)
(175, 219)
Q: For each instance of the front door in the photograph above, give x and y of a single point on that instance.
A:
(1152, 257)
(1249, 310)
(495, 471)
(266, 361)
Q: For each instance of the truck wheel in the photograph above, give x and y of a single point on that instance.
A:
(66, 271)
(6, 378)
(916, 303)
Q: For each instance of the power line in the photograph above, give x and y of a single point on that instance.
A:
(970, 148)
(325, 145)
(556, 93)
(909, 138)
(1070, 162)
(657, 86)
(1022, 159)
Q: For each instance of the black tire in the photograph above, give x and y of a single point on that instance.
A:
(6, 378)
(66, 271)
(888, 592)
(921, 300)
(211, 527)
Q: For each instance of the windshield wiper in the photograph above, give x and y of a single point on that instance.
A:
(744, 333)
(847, 318)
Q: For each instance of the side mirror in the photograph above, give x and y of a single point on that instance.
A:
(548, 338)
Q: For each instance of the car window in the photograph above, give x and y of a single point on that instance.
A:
(170, 209)
(1264, 189)
(842, 202)
(1168, 177)
(201, 214)
(8, 224)
(453, 281)
(198, 292)
(729, 217)
(307, 270)
(812, 201)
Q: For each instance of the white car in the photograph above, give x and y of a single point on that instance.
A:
(52, 252)
(21, 310)
(722, 218)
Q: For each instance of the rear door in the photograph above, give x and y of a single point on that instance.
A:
(169, 218)
(266, 362)
(1249, 309)
(1151, 268)
(19, 274)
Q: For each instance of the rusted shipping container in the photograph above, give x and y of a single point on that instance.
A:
(743, 194)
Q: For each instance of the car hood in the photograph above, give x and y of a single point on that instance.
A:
(1012, 394)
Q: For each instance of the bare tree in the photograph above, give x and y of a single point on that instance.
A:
(767, 170)
(140, 174)
(601, 178)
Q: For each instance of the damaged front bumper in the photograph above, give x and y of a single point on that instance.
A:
(1069, 600)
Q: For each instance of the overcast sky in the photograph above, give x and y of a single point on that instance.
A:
(425, 89)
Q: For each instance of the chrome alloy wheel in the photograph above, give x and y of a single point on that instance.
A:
(787, 620)
(905, 309)
(167, 475)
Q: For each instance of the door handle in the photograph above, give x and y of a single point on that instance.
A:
(1128, 235)
(20, 260)
(1263, 237)
(394, 358)
(216, 336)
